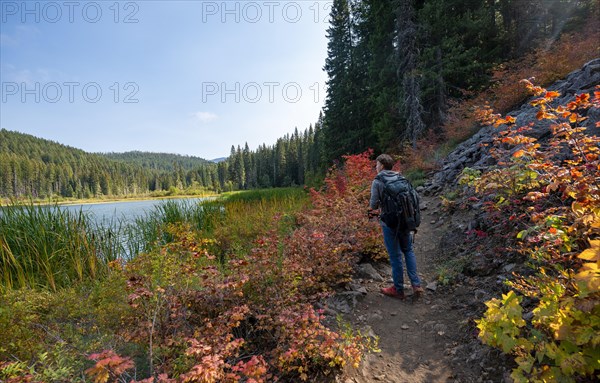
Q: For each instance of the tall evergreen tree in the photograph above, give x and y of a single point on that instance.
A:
(407, 54)
(337, 65)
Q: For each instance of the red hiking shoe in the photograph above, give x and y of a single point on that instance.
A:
(392, 292)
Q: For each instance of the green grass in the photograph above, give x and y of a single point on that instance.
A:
(50, 247)
(237, 219)
(45, 246)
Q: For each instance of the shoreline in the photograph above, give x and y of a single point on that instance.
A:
(96, 201)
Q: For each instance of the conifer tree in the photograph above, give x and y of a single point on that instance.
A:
(337, 66)
(407, 54)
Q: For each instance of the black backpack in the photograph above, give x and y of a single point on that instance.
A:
(399, 204)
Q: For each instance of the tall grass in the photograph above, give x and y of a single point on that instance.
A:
(49, 247)
(234, 219)
(46, 246)
(148, 231)
(238, 219)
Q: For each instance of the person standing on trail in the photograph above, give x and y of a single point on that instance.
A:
(397, 241)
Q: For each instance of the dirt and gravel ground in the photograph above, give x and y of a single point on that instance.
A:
(433, 338)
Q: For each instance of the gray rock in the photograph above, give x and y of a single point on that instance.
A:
(344, 302)
(439, 328)
(353, 286)
(480, 295)
(367, 271)
(432, 286)
(368, 331)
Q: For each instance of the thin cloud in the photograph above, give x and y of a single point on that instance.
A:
(32, 76)
(21, 35)
(205, 117)
(22, 76)
(6, 40)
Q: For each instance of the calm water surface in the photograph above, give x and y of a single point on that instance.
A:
(126, 211)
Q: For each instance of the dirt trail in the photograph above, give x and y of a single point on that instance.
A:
(416, 337)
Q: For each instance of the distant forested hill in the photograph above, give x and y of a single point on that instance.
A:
(158, 161)
(31, 166)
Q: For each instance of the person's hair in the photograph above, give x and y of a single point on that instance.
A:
(386, 160)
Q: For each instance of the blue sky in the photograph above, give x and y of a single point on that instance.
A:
(186, 77)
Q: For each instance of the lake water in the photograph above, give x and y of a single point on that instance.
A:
(115, 222)
(125, 211)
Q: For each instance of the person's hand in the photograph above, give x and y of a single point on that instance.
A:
(372, 214)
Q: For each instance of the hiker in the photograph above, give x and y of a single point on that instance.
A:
(397, 240)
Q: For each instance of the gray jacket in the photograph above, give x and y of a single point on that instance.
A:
(377, 188)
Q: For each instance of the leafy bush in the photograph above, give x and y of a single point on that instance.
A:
(549, 193)
(179, 312)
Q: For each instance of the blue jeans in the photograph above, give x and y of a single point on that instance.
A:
(396, 245)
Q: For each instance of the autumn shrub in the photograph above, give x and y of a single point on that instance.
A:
(182, 313)
(548, 196)
(202, 319)
(339, 210)
(269, 289)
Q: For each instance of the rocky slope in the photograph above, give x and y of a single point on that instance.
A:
(475, 154)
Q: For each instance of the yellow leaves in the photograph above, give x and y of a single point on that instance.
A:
(588, 277)
(544, 115)
(502, 322)
(99, 374)
(593, 253)
(536, 90)
(517, 140)
(564, 326)
(509, 120)
(573, 118)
